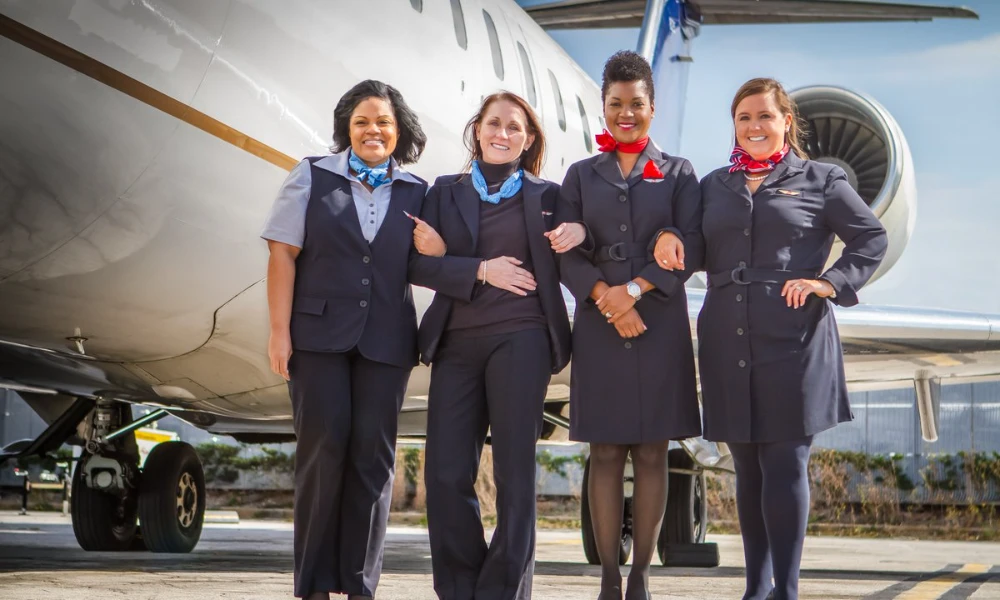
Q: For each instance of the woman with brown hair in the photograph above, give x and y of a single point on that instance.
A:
(494, 334)
(771, 366)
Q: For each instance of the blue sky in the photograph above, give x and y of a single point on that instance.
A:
(940, 80)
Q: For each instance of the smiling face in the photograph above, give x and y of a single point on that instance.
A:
(503, 132)
(628, 110)
(760, 125)
(373, 131)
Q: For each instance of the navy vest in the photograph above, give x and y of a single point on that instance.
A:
(349, 293)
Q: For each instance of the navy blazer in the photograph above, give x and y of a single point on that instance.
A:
(452, 209)
(349, 293)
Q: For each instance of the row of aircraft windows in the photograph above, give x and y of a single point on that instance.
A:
(461, 36)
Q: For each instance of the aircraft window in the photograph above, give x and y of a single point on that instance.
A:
(586, 126)
(560, 109)
(418, 5)
(528, 74)
(458, 18)
(491, 29)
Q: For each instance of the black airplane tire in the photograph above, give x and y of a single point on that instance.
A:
(685, 520)
(172, 498)
(587, 526)
(102, 522)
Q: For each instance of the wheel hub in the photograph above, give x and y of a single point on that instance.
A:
(187, 500)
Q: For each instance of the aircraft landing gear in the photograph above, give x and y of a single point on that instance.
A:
(111, 497)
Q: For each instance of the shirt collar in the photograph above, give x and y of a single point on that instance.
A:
(338, 164)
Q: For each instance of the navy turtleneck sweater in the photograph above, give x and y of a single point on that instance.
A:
(502, 232)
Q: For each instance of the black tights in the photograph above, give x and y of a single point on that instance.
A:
(606, 494)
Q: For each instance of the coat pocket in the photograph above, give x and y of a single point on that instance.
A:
(309, 306)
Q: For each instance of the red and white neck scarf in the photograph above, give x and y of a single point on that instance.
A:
(742, 161)
(607, 143)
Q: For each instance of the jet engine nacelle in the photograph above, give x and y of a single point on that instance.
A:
(856, 133)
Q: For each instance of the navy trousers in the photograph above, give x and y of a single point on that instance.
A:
(497, 382)
(345, 411)
(772, 498)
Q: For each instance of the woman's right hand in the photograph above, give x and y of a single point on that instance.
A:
(505, 273)
(669, 252)
(630, 324)
(279, 350)
(566, 237)
(427, 240)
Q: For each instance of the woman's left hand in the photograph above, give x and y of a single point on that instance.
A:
(615, 302)
(427, 240)
(797, 290)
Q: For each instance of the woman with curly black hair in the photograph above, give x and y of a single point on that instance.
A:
(633, 379)
(343, 332)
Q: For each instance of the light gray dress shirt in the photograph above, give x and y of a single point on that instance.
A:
(287, 221)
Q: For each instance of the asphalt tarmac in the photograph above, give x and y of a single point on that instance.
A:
(39, 559)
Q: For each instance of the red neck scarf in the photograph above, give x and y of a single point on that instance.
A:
(742, 161)
(607, 143)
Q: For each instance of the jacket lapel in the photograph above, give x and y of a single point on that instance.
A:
(468, 205)
(790, 166)
(736, 182)
(534, 222)
(606, 166)
(649, 153)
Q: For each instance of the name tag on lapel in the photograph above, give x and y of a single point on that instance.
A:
(546, 213)
(789, 192)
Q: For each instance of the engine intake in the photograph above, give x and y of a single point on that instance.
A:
(856, 133)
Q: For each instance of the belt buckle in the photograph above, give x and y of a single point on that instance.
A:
(613, 252)
(736, 276)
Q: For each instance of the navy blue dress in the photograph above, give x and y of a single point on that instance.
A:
(771, 373)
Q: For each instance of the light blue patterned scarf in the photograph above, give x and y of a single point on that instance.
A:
(508, 189)
(375, 176)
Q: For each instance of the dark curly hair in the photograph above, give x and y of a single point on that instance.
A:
(411, 136)
(626, 65)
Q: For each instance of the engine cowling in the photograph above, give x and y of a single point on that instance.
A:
(856, 133)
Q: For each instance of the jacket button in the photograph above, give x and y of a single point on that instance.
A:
(366, 259)
(628, 345)
(739, 297)
(743, 263)
(742, 363)
(746, 231)
(364, 304)
(739, 331)
(365, 281)
(622, 198)
(623, 228)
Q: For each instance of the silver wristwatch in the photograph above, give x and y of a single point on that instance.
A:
(633, 290)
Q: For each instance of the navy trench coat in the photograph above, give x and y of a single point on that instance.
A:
(770, 372)
(644, 389)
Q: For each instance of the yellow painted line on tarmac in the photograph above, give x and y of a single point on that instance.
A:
(938, 586)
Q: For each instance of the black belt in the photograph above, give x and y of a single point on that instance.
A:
(747, 275)
(621, 252)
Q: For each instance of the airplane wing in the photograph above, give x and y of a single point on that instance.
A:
(587, 14)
